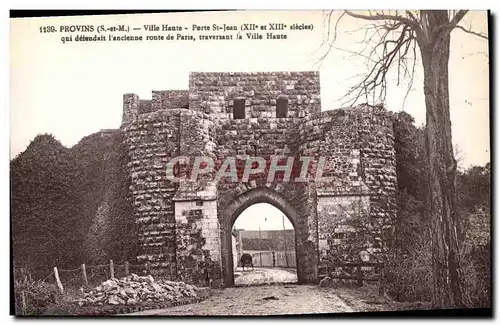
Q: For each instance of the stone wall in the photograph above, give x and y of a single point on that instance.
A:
(334, 135)
(302, 196)
(133, 106)
(167, 99)
(378, 159)
(152, 140)
(130, 108)
(214, 92)
(359, 146)
(198, 140)
(145, 106)
(255, 137)
(197, 241)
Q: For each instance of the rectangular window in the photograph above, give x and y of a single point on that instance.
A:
(199, 203)
(282, 107)
(239, 109)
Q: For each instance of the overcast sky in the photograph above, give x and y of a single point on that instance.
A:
(73, 90)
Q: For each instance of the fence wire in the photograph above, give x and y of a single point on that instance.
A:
(96, 274)
(72, 280)
(137, 269)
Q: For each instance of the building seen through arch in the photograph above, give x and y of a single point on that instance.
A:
(266, 234)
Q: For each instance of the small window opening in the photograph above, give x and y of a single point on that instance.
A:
(282, 107)
(199, 203)
(239, 109)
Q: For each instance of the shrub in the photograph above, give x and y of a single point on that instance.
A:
(477, 275)
(409, 276)
(38, 295)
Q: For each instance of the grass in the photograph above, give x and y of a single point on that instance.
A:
(367, 298)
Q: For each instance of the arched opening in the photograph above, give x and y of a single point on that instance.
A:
(233, 209)
(263, 235)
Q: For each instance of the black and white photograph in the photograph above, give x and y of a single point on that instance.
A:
(250, 163)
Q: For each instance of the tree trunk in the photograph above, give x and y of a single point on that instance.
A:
(447, 280)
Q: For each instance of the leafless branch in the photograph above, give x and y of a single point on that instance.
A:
(375, 80)
(412, 17)
(391, 41)
(481, 35)
(384, 17)
(322, 58)
(458, 17)
(412, 76)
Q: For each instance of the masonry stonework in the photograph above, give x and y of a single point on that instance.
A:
(185, 228)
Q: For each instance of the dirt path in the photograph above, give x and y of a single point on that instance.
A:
(261, 300)
(264, 276)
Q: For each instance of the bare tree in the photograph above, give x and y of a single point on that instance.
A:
(393, 40)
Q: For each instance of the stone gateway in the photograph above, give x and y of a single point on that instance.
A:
(185, 227)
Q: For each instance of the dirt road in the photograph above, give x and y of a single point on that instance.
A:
(260, 300)
(264, 276)
(277, 299)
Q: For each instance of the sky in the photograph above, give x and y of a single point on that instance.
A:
(262, 215)
(75, 89)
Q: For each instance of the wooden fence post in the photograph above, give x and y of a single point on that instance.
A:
(360, 279)
(147, 267)
(58, 281)
(381, 280)
(23, 301)
(84, 275)
(126, 268)
(111, 269)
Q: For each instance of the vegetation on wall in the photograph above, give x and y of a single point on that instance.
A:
(407, 246)
(69, 205)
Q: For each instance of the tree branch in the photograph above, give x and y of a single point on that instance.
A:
(412, 17)
(322, 58)
(472, 32)
(458, 17)
(374, 82)
(453, 23)
(401, 19)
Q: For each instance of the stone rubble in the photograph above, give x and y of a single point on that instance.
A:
(135, 289)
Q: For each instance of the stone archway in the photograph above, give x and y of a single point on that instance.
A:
(231, 212)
